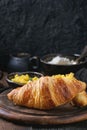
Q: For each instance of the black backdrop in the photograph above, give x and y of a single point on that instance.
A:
(42, 26)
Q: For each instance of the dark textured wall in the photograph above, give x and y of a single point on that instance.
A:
(43, 26)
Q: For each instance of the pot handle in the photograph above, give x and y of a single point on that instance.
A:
(35, 62)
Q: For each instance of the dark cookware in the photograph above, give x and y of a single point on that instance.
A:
(21, 62)
(14, 84)
(51, 69)
(18, 62)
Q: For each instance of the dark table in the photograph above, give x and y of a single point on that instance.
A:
(8, 125)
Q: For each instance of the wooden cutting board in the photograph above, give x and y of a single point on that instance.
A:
(61, 115)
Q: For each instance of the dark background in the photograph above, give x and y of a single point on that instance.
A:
(42, 26)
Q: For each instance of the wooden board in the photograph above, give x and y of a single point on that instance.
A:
(61, 115)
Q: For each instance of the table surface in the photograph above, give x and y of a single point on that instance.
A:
(8, 125)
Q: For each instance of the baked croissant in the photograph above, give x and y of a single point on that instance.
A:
(47, 92)
(80, 99)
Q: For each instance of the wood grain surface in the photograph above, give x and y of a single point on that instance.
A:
(61, 115)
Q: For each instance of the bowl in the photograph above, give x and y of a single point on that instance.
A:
(16, 83)
(69, 65)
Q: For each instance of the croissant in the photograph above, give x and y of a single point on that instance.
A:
(80, 99)
(47, 92)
